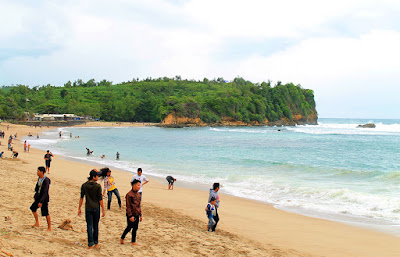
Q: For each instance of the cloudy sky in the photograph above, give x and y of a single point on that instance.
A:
(348, 52)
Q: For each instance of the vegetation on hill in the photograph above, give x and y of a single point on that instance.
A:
(151, 100)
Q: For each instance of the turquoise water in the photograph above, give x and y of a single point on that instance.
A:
(325, 170)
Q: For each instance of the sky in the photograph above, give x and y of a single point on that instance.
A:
(348, 52)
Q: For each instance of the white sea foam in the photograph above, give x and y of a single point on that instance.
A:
(331, 201)
(346, 129)
(278, 176)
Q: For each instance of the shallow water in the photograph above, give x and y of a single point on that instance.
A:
(331, 170)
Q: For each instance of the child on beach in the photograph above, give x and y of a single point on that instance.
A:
(211, 212)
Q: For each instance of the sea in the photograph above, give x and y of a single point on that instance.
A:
(332, 170)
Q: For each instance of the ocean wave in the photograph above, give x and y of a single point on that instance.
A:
(331, 201)
(260, 130)
(346, 129)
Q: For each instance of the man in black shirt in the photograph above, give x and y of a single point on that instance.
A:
(171, 181)
(92, 191)
(41, 198)
(47, 158)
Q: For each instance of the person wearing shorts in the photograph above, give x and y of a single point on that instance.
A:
(171, 181)
(41, 198)
(47, 158)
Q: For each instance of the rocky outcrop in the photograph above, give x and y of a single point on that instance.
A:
(173, 121)
(368, 125)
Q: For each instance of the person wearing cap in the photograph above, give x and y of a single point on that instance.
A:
(133, 211)
(142, 178)
(41, 198)
(92, 191)
(214, 194)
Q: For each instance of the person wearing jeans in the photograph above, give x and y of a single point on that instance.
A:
(109, 186)
(92, 191)
(92, 216)
(133, 211)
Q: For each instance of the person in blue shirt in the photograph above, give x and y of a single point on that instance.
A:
(211, 212)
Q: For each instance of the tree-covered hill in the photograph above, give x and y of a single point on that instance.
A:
(151, 100)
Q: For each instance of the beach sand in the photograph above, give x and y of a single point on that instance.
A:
(174, 221)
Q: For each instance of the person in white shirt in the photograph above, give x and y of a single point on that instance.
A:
(142, 179)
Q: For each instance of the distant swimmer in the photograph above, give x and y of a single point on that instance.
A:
(88, 151)
(117, 155)
(102, 156)
(60, 133)
(70, 135)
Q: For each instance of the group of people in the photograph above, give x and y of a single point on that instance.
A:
(89, 152)
(27, 146)
(93, 194)
(91, 190)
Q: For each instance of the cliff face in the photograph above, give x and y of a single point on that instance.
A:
(172, 120)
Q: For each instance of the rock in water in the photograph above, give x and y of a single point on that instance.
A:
(368, 125)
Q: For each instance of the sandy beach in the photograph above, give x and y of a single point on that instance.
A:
(174, 221)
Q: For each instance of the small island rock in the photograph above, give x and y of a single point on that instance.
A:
(368, 125)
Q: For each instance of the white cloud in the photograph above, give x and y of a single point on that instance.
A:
(53, 42)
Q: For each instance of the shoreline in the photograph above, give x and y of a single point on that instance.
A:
(272, 231)
(379, 225)
(355, 221)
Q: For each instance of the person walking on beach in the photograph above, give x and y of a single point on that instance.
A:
(211, 212)
(214, 194)
(25, 146)
(92, 191)
(29, 147)
(109, 186)
(171, 181)
(133, 211)
(41, 198)
(47, 158)
(142, 178)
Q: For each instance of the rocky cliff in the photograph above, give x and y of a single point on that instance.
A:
(172, 120)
